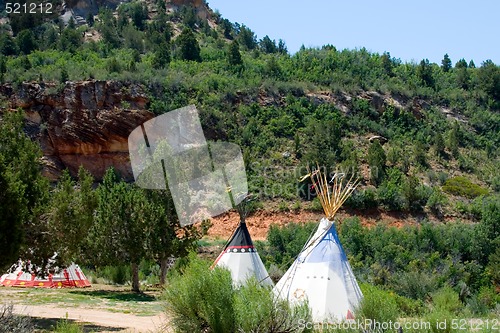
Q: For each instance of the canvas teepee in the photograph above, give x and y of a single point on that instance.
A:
(321, 273)
(240, 256)
(71, 276)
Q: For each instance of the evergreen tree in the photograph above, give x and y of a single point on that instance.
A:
(439, 143)
(7, 45)
(387, 63)
(162, 56)
(26, 41)
(188, 46)
(267, 45)
(3, 67)
(377, 162)
(90, 19)
(446, 63)
(234, 55)
(424, 73)
(71, 214)
(472, 64)
(461, 63)
(64, 75)
(123, 225)
(282, 49)
(22, 192)
(247, 38)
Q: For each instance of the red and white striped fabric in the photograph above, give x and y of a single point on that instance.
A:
(71, 276)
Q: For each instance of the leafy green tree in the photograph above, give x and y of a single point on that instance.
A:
(472, 64)
(23, 192)
(123, 225)
(446, 63)
(377, 161)
(188, 46)
(26, 41)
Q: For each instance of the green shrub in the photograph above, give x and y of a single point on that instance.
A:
(285, 243)
(463, 187)
(446, 299)
(198, 298)
(378, 305)
(116, 274)
(204, 300)
(65, 326)
(258, 310)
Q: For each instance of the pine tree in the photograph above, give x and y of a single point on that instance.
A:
(188, 46)
(23, 192)
(377, 161)
(424, 73)
(446, 63)
(234, 55)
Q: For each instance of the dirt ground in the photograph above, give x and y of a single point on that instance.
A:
(102, 320)
(100, 308)
(259, 222)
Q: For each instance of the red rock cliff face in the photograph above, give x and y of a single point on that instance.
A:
(87, 123)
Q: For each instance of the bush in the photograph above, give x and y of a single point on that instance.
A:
(10, 323)
(200, 300)
(463, 187)
(378, 305)
(446, 299)
(64, 326)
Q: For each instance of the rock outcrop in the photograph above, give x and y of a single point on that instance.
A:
(85, 124)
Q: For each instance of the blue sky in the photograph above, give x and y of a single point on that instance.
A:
(409, 30)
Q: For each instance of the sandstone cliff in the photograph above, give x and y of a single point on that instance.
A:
(86, 123)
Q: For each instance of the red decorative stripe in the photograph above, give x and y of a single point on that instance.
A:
(241, 247)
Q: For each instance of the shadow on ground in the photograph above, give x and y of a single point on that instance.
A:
(51, 323)
(116, 295)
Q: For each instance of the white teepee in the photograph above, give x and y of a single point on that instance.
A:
(321, 273)
(242, 259)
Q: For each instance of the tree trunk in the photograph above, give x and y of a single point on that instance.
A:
(163, 270)
(135, 278)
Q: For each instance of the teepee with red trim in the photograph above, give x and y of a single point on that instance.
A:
(242, 259)
(71, 276)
